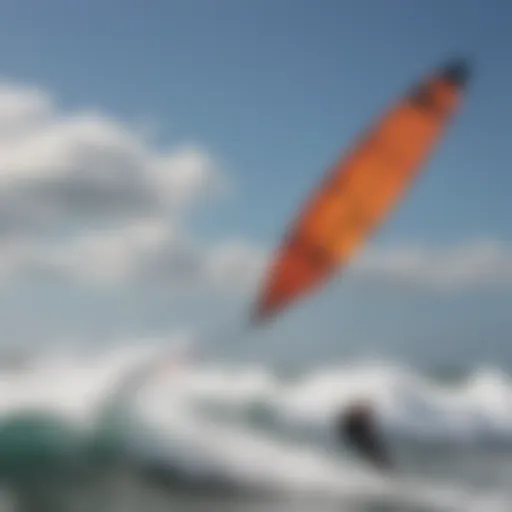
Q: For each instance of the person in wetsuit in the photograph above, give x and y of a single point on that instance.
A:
(356, 426)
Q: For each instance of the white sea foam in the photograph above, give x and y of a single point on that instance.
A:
(176, 419)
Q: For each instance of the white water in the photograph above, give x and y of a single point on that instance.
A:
(173, 421)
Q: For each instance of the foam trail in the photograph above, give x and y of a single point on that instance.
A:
(206, 447)
(201, 420)
(476, 409)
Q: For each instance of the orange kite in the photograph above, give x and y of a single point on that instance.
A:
(361, 189)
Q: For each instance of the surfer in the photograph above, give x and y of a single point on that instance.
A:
(357, 426)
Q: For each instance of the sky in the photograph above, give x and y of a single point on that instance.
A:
(151, 156)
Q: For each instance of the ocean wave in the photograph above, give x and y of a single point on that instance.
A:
(246, 426)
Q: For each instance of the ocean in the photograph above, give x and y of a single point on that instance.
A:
(199, 435)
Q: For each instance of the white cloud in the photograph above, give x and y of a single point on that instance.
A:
(477, 264)
(59, 167)
(137, 254)
(22, 109)
(235, 265)
(123, 199)
(109, 257)
(151, 253)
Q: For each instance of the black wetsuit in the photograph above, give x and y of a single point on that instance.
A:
(358, 428)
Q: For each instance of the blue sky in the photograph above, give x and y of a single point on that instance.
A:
(273, 91)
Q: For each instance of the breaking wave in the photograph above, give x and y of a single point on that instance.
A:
(256, 429)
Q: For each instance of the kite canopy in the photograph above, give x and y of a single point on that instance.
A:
(361, 190)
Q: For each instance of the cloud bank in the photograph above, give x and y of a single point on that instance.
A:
(87, 166)
(478, 264)
(89, 200)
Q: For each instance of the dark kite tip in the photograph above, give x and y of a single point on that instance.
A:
(457, 72)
